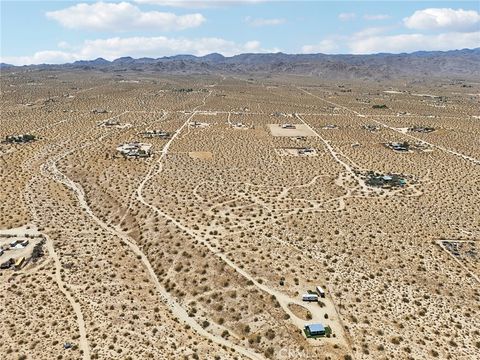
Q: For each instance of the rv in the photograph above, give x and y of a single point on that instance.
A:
(310, 297)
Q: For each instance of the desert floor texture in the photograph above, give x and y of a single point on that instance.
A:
(202, 247)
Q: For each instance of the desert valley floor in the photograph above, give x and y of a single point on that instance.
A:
(184, 217)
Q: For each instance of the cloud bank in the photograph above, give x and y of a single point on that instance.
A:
(413, 42)
(427, 29)
(113, 48)
(122, 16)
(444, 29)
(444, 19)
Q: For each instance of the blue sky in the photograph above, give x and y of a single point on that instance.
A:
(65, 31)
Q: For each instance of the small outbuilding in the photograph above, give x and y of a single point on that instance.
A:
(315, 329)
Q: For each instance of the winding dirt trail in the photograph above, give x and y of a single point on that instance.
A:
(283, 299)
(50, 168)
(62, 286)
(177, 309)
(83, 341)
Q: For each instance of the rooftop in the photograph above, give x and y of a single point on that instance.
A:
(315, 327)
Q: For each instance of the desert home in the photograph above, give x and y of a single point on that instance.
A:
(315, 329)
(135, 149)
(157, 133)
(19, 139)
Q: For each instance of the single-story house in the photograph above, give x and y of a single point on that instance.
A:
(315, 329)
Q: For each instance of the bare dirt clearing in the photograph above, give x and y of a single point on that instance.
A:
(290, 130)
(202, 155)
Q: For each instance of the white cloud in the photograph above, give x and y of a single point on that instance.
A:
(122, 16)
(347, 16)
(63, 45)
(41, 57)
(155, 47)
(251, 46)
(369, 32)
(444, 19)
(456, 29)
(257, 22)
(376, 16)
(413, 42)
(198, 4)
(326, 46)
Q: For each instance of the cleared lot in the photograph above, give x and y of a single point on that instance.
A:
(296, 130)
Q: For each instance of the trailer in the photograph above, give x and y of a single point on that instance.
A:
(310, 297)
(320, 292)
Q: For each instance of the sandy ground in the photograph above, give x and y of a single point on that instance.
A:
(170, 257)
(202, 155)
(300, 130)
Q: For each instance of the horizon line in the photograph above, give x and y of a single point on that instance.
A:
(232, 56)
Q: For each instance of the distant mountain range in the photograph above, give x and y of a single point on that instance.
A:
(439, 64)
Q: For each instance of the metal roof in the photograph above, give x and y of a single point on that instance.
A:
(315, 327)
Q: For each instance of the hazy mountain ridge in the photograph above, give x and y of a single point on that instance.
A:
(456, 63)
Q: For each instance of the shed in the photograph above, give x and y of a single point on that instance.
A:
(315, 329)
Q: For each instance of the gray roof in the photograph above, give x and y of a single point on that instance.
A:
(315, 327)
